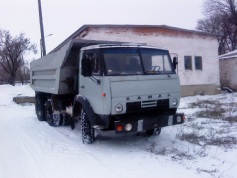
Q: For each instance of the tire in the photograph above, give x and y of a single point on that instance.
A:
(155, 131)
(49, 119)
(40, 108)
(87, 132)
(48, 113)
(53, 119)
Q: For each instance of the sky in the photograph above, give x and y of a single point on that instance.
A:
(61, 18)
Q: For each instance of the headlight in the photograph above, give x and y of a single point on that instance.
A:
(119, 107)
(174, 102)
(179, 119)
(128, 127)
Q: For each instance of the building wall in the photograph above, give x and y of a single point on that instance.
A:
(179, 42)
(228, 73)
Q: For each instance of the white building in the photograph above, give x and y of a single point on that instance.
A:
(197, 52)
(228, 70)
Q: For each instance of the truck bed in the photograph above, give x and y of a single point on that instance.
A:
(48, 72)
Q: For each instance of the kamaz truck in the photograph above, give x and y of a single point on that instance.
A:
(108, 86)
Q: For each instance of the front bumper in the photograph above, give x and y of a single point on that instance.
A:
(148, 123)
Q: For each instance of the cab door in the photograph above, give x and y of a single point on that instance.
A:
(90, 80)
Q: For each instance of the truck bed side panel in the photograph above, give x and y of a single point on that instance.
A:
(48, 73)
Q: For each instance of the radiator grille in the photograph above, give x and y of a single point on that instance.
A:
(151, 105)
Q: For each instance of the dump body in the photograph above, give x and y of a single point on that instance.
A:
(49, 72)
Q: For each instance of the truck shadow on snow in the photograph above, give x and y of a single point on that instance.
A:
(109, 138)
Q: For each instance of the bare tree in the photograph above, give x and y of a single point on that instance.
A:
(12, 50)
(23, 73)
(221, 19)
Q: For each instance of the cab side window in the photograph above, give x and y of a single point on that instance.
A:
(93, 57)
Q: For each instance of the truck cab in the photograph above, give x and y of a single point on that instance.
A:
(108, 86)
(129, 88)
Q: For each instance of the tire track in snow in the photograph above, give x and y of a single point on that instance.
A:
(14, 150)
(48, 152)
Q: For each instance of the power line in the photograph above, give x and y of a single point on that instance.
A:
(17, 9)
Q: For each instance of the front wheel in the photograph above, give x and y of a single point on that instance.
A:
(88, 133)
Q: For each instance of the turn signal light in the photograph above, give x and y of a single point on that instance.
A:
(119, 128)
(184, 118)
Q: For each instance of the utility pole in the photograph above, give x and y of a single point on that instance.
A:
(41, 29)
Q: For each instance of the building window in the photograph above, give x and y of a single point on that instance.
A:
(198, 62)
(188, 62)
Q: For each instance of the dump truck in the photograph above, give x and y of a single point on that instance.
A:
(116, 86)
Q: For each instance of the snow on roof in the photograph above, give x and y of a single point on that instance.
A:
(232, 54)
(121, 45)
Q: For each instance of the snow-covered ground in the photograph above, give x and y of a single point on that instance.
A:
(202, 147)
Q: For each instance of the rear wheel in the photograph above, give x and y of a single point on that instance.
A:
(49, 112)
(53, 117)
(88, 134)
(39, 107)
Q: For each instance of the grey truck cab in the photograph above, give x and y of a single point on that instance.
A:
(122, 87)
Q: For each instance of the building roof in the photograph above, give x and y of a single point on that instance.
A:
(84, 27)
(232, 54)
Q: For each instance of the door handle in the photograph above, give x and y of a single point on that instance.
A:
(83, 86)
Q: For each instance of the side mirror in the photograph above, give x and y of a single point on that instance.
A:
(86, 67)
(175, 62)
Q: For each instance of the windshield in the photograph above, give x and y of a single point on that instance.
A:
(156, 61)
(136, 61)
